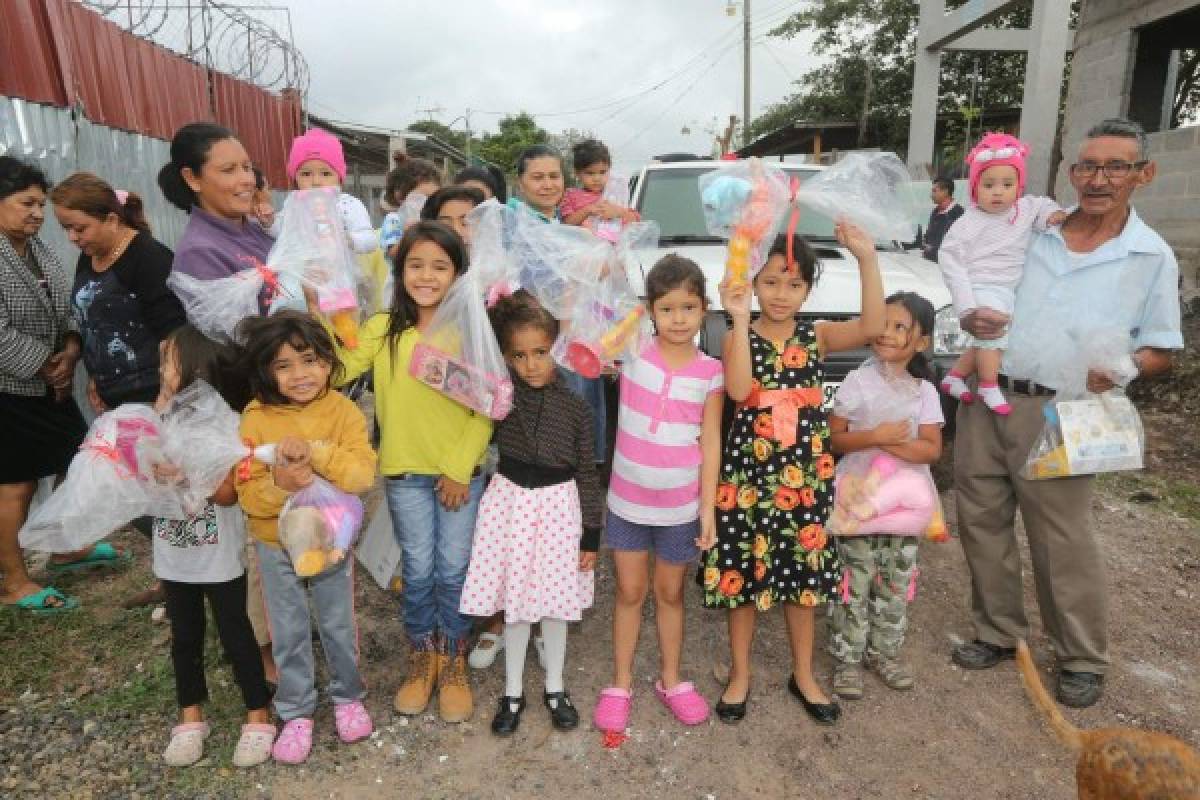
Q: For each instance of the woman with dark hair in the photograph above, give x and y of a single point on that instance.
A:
(540, 182)
(120, 298)
(211, 178)
(488, 179)
(40, 425)
(450, 206)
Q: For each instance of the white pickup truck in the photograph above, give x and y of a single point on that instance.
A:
(668, 193)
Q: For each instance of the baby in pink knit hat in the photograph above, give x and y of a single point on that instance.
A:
(316, 162)
(983, 255)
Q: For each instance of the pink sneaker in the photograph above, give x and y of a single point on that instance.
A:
(353, 722)
(688, 706)
(612, 710)
(294, 742)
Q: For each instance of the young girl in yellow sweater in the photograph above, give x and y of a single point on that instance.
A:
(316, 431)
(430, 451)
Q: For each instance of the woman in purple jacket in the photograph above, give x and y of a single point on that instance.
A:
(211, 178)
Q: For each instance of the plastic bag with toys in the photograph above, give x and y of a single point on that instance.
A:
(608, 324)
(869, 189)
(216, 307)
(1086, 433)
(317, 527)
(458, 354)
(616, 191)
(313, 251)
(111, 481)
(874, 491)
(744, 203)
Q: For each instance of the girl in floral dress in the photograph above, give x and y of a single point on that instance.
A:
(776, 481)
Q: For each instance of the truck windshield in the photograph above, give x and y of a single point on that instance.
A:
(671, 197)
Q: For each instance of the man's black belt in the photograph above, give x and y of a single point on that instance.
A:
(1027, 388)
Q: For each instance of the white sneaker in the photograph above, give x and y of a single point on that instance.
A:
(540, 646)
(484, 653)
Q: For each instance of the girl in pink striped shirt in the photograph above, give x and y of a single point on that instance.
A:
(663, 487)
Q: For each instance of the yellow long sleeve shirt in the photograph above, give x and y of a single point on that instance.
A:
(423, 431)
(341, 454)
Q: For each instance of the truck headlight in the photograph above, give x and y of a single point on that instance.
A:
(948, 336)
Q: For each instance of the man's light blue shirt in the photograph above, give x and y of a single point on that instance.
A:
(1130, 282)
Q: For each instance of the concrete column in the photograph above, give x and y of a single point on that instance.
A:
(1043, 88)
(926, 77)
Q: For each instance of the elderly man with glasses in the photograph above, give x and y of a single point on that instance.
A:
(1103, 268)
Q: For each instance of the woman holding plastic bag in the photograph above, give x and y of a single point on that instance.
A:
(887, 425)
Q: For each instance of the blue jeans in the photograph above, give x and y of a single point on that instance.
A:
(436, 549)
(592, 392)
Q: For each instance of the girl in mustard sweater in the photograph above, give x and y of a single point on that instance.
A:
(430, 451)
(316, 431)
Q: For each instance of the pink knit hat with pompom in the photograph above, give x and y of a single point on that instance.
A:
(996, 149)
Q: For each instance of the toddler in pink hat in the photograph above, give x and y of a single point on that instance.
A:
(983, 255)
(316, 161)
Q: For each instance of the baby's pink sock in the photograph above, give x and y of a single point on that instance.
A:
(994, 398)
(954, 385)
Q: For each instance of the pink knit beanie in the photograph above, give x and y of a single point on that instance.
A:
(320, 145)
(996, 149)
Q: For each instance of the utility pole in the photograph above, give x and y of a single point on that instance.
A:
(746, 47)
(467, 143)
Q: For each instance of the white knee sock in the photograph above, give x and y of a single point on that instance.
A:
(516, 639)
(554, 633)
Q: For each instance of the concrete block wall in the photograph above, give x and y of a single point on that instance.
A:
(1101, 75)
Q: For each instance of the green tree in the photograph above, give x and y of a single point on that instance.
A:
(446, 134)
(869, 47)
(516, 132)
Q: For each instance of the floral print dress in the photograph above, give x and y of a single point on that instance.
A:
(776, 486)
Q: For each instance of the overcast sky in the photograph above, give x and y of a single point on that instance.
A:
(378, 63)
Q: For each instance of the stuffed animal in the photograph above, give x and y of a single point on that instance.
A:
(888, 498)
(317, 527)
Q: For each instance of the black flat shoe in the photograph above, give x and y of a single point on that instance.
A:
(731, 712)
(821, 713)
(563, 715)
(506, 721)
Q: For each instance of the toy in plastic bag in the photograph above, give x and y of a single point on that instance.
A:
(317, 527)
(876, 492)
(312, 251)
(201, 441)
(216, 307)
(744, 203)
(110, 482)
(869, 189)
(616, 191)
(1086, 433)
(607, 324)
(458, 354)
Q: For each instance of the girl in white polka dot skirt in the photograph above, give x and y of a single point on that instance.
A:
(538, 526)
(776, 472)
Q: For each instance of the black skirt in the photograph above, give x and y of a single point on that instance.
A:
(38, 436)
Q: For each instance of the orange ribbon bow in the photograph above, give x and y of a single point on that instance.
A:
(785, 405)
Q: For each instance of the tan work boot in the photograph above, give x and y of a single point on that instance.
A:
(455, 703)
(413, 695)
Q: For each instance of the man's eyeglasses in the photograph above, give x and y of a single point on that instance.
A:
(1115, 170)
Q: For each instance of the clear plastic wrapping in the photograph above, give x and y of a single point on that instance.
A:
(458, 354)
(608, 323)
(1086, 433)
(317, 527)
(216, 307)
(874, 491)
(744, 203)
(869, 189)
(312, 250)
(616, 191)
(110, 482)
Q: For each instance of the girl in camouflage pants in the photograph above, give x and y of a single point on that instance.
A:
(887, 425)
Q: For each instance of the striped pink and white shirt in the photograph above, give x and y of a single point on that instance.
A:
(656, 463)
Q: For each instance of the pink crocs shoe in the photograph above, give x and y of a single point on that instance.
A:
(688, 706)
(612, 710)
(353, 722)
(294, 742)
